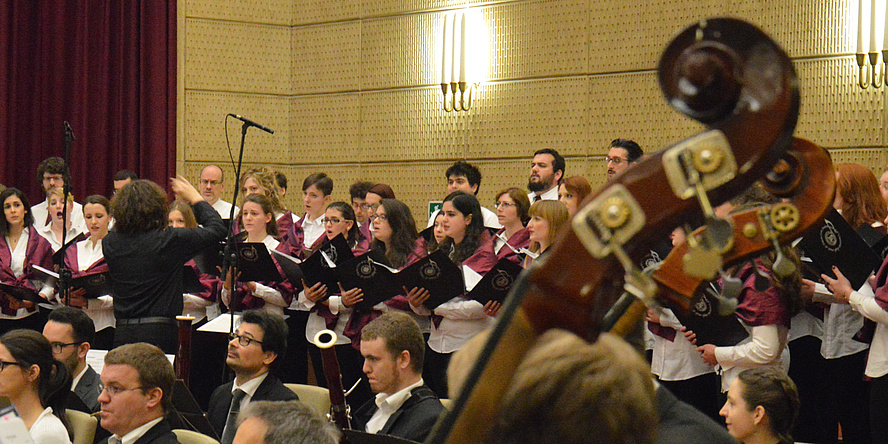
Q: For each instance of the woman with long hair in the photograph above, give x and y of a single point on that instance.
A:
(456, 321)
(857, 187)
(572, 192)
(761, 407)
(547, 218)
(258, 221)
(261, 180)
(512, 208)
(86, 257)
(36, 384)
(21, 247)
(329, 312)
(146, 259)
(53, 231)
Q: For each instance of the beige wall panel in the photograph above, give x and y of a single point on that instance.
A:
(537, 38)
(326, 58)
(205, 126)
(631, 106)
(409, 124)
(514, 119)
(324, 11)
(192, 173)
(325, 128)
(804, 28)
(630, 35)
(414, 183)
(342, 175)
(874, 158)
(237, 57)
(835, 111)
(401, 51)
(376, 8)
(277, 12)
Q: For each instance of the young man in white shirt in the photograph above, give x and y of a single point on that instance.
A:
(465, 177)
(393, 350)
(53, 173)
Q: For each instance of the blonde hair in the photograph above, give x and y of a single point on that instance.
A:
(552, 211)
(58, 192)
(268, 181)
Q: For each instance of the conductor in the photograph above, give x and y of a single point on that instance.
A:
(146, 259)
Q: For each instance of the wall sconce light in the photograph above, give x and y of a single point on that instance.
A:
(868, 62)
(455, 46)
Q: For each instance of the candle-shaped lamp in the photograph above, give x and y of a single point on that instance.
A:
(860, 28)
(444, 52)
(462, 49)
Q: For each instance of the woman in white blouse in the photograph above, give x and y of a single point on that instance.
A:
(53, 231)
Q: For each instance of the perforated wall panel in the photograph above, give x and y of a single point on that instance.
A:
(325, 128)
(326, 58)
(237, 57)
(305, 12)
(276, 12)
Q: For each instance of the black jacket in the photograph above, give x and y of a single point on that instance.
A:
(413, 421)
(161, 433)
(271, 389)
(88, 389)
(682, 424)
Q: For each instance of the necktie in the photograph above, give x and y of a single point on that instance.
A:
(231, 422)
(537, 198)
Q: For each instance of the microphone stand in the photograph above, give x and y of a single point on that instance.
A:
(64, 271)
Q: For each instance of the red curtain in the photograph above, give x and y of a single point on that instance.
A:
(107, 67)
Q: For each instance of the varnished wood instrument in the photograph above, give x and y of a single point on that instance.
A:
(722, 72)
(339, 410)
(183, 353)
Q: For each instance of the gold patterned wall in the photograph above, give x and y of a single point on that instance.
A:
(351, 87)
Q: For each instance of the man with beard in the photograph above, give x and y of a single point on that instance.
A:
(623, 153)
(259, 341)
(70, 332)
(546, 172)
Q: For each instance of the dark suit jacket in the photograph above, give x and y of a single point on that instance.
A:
(413, 421)
(271, 389)
(88, 389)
(161, 433)
(682, 424)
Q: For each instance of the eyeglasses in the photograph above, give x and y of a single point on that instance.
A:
(615, 160)
(211, 183)
(504, 205)
(382, 218)
(244, 341)
(57, 347)
(114, 390)
(363, 206)
(4, 364)
(332, 220)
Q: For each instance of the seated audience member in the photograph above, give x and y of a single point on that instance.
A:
(53, 173)
(465, 177)
(283, 422)
(393, 348)
(566, 390)
(623, 154)
(258, 343)
(762, 405)
(378, 192)
(572, 192)
(211, 186)
(71, 332)
(53, 231)
(123, 177)
(36, 384)
(546, 172)
(137, 392)
(512, 209)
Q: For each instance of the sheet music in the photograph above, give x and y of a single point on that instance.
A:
(221, 324)
(330, 263)
(96, 359)
(471, 278)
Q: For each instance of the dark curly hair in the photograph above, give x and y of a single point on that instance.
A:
(138, 207)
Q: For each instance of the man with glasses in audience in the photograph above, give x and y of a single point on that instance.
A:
(53, 173)
(70, 332)
(258, 343)
(623, 153)
(136, 395)
(211, 187)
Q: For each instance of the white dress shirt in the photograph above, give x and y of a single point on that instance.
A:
(877, 362)
(101, 309)
(462, 320)
(55, 242)
(388, 405)
(249, 388)
(841, 322)
(41, 215)
(224, 209)
(312, 230)
(676, 360)
(550, 194)
(766, 345)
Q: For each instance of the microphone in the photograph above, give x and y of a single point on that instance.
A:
(252, 123)
(68, 131)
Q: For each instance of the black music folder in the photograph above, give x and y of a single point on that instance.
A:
(209, 260)
(95, 284)
(835, 243)
(321, 265)
(21, 293)
(58, 258)
(372, 274)
(437, 274)
(496, 283)
(290, 266)
(254, 263)
(710, 327)
(874, 239)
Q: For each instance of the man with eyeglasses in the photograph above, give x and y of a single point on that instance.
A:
(358, 193)
(623, 153)
(259, 342)
(53, 173)
(136, 395)
(70, 332)
(211, 186)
